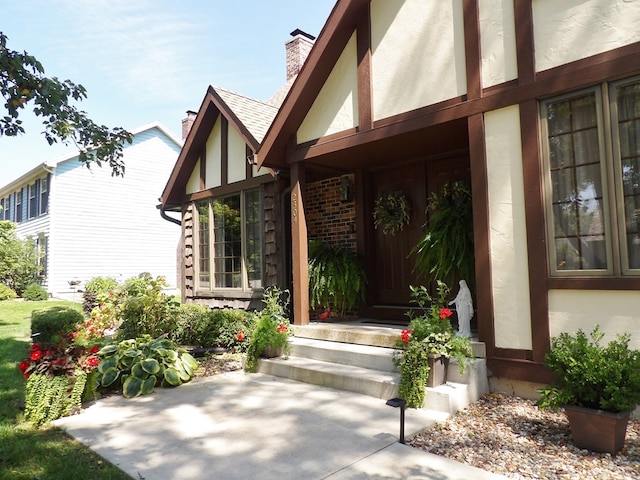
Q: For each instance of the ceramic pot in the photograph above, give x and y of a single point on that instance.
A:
(597, 430)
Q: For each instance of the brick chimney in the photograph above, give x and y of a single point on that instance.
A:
(297, 49)
(187, 123)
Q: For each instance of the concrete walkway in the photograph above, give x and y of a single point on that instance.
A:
(238, 426)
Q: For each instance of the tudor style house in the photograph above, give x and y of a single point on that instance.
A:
(89, 223)
(534, 103)
(232, 213)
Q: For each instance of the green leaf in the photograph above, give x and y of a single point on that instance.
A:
(107, 364)
(109, 376)
(172, 377)
(132, 387)
(108, 350)
(189, 361)
(149, 384)
(138, 371)
(150, 365)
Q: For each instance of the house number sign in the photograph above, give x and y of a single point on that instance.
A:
(294, 207)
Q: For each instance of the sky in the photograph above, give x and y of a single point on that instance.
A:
(143, 61)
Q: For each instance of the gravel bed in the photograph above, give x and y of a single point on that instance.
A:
(218, 363)
(510, 436)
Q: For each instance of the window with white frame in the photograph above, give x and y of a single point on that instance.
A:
(33, 199)
(592, 172)
(229, 242)
(44, 195)
(18, 216)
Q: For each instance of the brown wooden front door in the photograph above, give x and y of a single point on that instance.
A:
(394, 264)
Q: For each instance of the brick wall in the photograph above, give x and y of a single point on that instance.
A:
(328, 218)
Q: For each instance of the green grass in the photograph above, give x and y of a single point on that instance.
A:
(28, 453)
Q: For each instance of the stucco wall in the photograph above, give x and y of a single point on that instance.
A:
(335, 109)
(417, 54)
(193, 184)
(237, 158)
(573, 29)
(213, 175)
(615, 312)
(508, 245)
(497, 41)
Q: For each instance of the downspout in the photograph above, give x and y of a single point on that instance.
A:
(166, 217)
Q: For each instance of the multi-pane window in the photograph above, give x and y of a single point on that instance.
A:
(18, 216)
(34, 195)
(229, 242)
(592, 143)
(7, 208)
(44, 195)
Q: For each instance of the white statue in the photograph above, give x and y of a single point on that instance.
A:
(464, 309)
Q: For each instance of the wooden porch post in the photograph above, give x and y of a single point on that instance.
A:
(299, 246)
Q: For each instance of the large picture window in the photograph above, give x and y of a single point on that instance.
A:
(229, 242)
(592, 164)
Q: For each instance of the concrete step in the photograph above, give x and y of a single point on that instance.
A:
(366, 381)
(361, 332)
(357, 355)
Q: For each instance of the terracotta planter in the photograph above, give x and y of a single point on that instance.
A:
(597, 430)
(438, 365)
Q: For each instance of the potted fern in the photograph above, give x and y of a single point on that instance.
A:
(336, 277)
(596, 385)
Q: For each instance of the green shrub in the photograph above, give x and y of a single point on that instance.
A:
(94, 289)
(230, 323)
(35, 292)
(6, 293)
(51, 322)
(189, 320)
(145, 308)
(138, 365)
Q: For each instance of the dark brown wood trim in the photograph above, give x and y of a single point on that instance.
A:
(594, 283)
(523, 370)
(513, 353)
(562, 79)
(299, 241)
(473, 56)
(365, 114)
(524, 41)
(535, 222)
(224, 151)
(480, 198)
(227, 189)
(203, 168)
(248, 173)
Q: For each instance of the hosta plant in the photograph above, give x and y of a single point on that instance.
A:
(139, 365)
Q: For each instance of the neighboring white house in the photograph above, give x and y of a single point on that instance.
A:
(90, 223)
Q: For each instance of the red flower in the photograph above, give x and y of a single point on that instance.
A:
(94, 349)
(24, 365)
(445, 313)
(241, 336)
(35, 355)
(404, 335)
(92, 362)
(281, 328)
(26, 375)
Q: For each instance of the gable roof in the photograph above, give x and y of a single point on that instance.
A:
(326, 50)
(251, 118)
(46, 166)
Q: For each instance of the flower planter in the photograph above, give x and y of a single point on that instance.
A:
(597, 430)
(271, 352)
(438, 365)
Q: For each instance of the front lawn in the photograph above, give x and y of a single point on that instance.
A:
(26, 452)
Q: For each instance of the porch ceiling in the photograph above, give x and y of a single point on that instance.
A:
(342, 155)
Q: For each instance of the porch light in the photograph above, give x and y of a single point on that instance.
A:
(402, 403)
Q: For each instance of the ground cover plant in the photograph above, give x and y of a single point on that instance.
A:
(27, 452)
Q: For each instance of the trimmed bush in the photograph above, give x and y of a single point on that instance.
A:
(52, 322)
(6, 293)
(35, 292)
(190, 320)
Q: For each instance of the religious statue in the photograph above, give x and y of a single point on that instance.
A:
(464, 309)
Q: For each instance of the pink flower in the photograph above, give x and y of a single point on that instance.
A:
(445, 313)
(404, 335)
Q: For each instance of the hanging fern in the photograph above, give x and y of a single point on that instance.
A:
(446, 249)
(336, 277)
